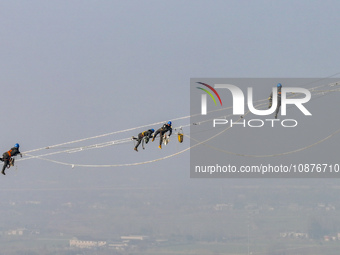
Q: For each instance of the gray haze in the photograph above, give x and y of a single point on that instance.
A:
(77, 69)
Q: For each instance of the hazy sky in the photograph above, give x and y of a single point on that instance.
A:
(75, 69)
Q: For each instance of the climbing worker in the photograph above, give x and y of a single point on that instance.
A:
(161, 131)
(7, 157)
(279, 87)
(146, 135)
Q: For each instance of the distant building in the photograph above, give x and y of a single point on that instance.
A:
(295, 235)
(134, 238)
(327, 207)
(84, 244)
(120, 246)
(33, 202)
(223, 207)
(330, 238)
(16, 232)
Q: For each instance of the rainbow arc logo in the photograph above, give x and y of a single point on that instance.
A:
(204, 97)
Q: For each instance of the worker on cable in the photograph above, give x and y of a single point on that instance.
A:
(146, 135)
(161, 131)
(7, 157)
(279, 87)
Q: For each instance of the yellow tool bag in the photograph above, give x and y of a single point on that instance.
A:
(180, 136)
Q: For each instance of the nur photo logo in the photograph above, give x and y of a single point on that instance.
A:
(281, 97)
(238, 99)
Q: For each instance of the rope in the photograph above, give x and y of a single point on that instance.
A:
(132, 164)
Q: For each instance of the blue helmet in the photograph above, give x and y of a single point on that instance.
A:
(279, 85)
(169, 123)
(152, 130)
(16, 145)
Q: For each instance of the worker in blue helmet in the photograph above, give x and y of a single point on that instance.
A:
(7, 157)
(146, 135)
(161, 131)
(279, 87)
